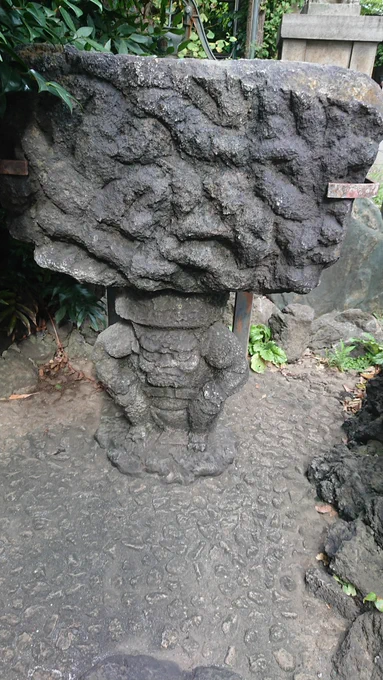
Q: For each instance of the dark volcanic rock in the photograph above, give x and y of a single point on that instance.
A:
(361, 654)
(321, 584)
(350, 480)
(355, 556)
(192, 175)
(368, 423)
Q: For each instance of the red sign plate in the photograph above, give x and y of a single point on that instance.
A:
(341, 190)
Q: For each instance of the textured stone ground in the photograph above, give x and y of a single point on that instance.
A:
(94, 563)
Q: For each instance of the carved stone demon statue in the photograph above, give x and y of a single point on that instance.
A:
(176, 182)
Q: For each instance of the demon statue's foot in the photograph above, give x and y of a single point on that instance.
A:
(175, 455)
(198, 442)
(129, 455)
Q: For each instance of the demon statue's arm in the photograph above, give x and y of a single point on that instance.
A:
(223, 353)
(120, 377)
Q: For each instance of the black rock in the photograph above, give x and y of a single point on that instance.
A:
(323, 585)
(368, 423)
(360, 656)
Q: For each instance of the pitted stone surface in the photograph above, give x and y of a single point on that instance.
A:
(95, 564)
(125, 667)
(190, 174)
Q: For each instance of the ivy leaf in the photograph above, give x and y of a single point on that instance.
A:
(349, 589)
(266, 354)
(257, 364)
(183, 45)
(371, 597)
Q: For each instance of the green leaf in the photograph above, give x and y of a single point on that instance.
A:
(97, 46)
(266, 354)
(84, 31)
(68, 19)
(279, 355)
(257, 364)
(12, 325)
(24, 320)
(60, 314)
(78, 12)
(349, 589)
(53, 88)
(379, 604)
(183, 45)
(143, 39)
(99, 4)
(34, 10)
(371, 597)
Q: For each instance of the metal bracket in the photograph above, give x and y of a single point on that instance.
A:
(342, 190)
(242, 318)
(14, 168)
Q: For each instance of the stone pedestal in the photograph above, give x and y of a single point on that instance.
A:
(332, 33)
(169, 365)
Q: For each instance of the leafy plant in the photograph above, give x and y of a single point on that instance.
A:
(119, 26)
(15, 311)
(76, 303)
(372, 348)
(339, 357)
(28, 291)
(370, 354)
(374, 8)
(347, 588)
(263, 349)
(378, 601)
(273, 13)
(193, 46)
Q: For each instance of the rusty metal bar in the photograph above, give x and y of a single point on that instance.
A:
(342, 190)
(242, 317)
(14, 168)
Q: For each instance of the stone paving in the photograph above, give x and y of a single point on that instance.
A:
(94, 563)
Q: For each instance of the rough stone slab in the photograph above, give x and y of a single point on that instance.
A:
(360, 655)
(190, 174)
(291, 329)
(329, 329)
(355, 556)
(18, 374)
(322, 584)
